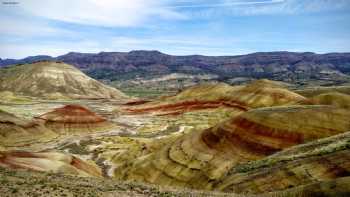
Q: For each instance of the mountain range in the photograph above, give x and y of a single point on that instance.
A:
(285, 66)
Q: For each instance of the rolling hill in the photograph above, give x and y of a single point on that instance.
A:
(260, 93)
(15, 131)
(74, 119)
(53, 80)
(200, 158)
(49, 162)
(295, 169)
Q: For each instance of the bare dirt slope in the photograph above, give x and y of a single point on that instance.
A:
(48, 79)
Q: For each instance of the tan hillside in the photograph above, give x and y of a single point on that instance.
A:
(16, 131)
(199, 158)
(53, 80)
(49, 162)
(314, 91)
(74, 119)
(260, 93)
(266, 93)
(10, 97)
(333, 98)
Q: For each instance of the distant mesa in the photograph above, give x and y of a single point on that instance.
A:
(200, 158)
(279, 65)
(74, 118)
(260, 93)
(55, 162)
(54, 80)
(19, 132)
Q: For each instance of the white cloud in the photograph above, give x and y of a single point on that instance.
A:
(16, 51)
(297, 6)
(100, 12)
(258, 7)
(17, 26)
(188, 40)
(226, 3)
(30, 35)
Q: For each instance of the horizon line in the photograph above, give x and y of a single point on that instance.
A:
(228, 55)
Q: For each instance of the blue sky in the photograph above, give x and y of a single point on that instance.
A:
(182, 27)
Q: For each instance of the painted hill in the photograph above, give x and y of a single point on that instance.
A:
(49, 162)
(73, 119)
(321, 162)
(260, 93)
(314, 91)
(15, 131)
(333, 98)
(48, 79)
(200, 158)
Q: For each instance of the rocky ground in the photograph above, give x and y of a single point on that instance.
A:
(25, 183)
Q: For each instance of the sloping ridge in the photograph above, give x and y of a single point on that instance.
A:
(74, 118)
(49, 79)
(313, 168)
(260, 93)
(314, 91)
(48, 161)
(268, 130)
(200, 158)
(16, 131)
(333, 98)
